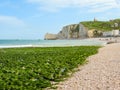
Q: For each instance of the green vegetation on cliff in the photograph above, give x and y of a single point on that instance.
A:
(36, 68)
(102, 25)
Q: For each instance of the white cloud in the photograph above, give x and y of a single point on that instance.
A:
(104, 6)
(93, 5)
(12, 21)
(118, 2)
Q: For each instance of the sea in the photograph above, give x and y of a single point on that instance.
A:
(48, 43)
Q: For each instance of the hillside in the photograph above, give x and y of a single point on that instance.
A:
(85, 29)
(102, 25)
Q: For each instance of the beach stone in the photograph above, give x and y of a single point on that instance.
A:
(101, 73)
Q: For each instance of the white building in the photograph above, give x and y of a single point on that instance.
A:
(116, 32)
(112, 33)
(109, 33)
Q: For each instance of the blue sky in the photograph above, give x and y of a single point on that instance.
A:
(31, 19)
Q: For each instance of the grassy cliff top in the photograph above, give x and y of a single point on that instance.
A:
(102, 25)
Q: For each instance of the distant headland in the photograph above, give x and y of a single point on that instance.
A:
(87, 29)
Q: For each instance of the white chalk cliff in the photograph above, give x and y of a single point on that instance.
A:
(74, 31)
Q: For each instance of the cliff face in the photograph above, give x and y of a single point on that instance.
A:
(94, 33)
(73, 31)
(69, 32)
(85, 29)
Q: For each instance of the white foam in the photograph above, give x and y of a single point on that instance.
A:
(16, 46)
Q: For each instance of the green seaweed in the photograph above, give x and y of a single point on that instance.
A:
(36, 68)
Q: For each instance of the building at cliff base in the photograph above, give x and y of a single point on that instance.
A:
(111, 33)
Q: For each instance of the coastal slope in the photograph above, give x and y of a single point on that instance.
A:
(86, 29)
(101, 73)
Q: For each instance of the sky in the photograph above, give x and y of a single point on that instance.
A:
(32, 19)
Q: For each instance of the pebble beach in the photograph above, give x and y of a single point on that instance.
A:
(102, 72)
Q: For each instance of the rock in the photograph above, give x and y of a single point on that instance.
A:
(91, 33)
(70, 31)
(73, 31)
(83, 31)
(50, 36)
(94, 33)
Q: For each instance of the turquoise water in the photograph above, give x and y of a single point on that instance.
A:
(46, 43)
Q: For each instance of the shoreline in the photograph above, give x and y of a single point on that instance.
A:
(101, 40)
(62, 43)
(35, 46)
(100, 73)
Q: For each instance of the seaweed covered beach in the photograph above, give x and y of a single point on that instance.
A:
(36, 68)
